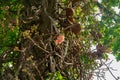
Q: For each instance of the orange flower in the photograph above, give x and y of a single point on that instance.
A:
(59, 39)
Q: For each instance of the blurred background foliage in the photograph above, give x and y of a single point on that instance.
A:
(9, 29)
(109, 25)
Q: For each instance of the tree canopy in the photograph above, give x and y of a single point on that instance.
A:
(57, 39)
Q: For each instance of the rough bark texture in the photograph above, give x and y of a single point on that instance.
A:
(32, 59)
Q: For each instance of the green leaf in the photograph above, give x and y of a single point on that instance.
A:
(118, 57)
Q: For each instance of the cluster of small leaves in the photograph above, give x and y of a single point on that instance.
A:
(9, 30)
(109, 25)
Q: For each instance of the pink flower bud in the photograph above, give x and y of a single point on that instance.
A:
(59, 39)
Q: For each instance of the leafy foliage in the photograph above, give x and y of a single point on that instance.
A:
(29, 31)
(110, 23)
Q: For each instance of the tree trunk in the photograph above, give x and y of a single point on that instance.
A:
(36, 13)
